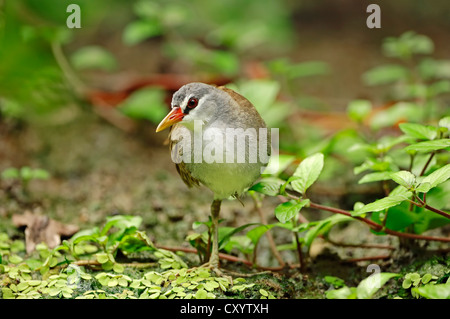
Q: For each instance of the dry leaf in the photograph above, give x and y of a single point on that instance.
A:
(40, 228)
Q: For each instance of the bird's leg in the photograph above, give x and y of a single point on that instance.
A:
(213, 262)
(214, 258)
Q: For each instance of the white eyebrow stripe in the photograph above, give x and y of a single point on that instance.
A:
(187, 98)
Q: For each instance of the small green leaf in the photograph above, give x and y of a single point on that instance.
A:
(10, 173)
(323, 226)
(429, 146)
(375, 177)
(369, 286)
(445, 123)
(406, 283)
(426, 278)
(423, 187)
(26, 173)
(22, 286)
(404, 178)
(341, 293)
(419, 131)
(201, 294)
(118, 268)
(278, 164)
(7, 293)
(263, 292)
(383, 203)
(286, 211)
(93, 57)
(308, 171)
(358, 110)
(268, 186)
(385, 74)
(15, 259)
(113, 282)
(439, 291)
(140, 30)
(147, 103)
(437, 177)
(102, 258)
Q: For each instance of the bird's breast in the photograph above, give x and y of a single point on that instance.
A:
(226, 160)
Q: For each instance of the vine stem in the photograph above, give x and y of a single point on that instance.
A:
(430, 208)
(273, 246)
(375, 226)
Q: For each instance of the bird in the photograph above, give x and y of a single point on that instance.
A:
(210, 128)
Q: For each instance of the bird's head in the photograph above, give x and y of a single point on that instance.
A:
(193, 101)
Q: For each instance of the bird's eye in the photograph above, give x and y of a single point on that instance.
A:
(193, 102)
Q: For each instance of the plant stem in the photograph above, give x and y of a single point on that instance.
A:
(273, 246)
(427, 163)
(430, 208)
(298, 245)
(72, 78)
(378, 227)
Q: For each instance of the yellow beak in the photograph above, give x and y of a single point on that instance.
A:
(174, 116)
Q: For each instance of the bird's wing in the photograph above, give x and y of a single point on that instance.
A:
(246, 106)
(241, 100)
(184, 173)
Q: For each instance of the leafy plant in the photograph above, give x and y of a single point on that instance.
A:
(421, 81)
(24, 176)
(86, 267)
(414, 280)
(366, 289)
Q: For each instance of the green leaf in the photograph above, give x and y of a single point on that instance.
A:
(140, 30)
(375, 177)
(369, 286)
(268, 186)
(323, 226)
(437, 177)
(385, 74)
(308, 68)
(146, 104)
(15, 259)
(445, 123)
(102, 258)
(308, 172)
(406, 45)
(256, 233)
(118, 268)
(383, 203)
(342, 293)
(278, 164)
(286, 211)
(225, 236)
(400, 111)
(426, 278)
(26, 173)
(39, 173)
(429, 146)
(399, 217)
(10, 173)
(404, 178)
(358, 110)
(7, 293)
(419, 131)
(93, 57)
(439, 291)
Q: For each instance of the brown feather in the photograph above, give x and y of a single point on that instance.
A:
(184, 173)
